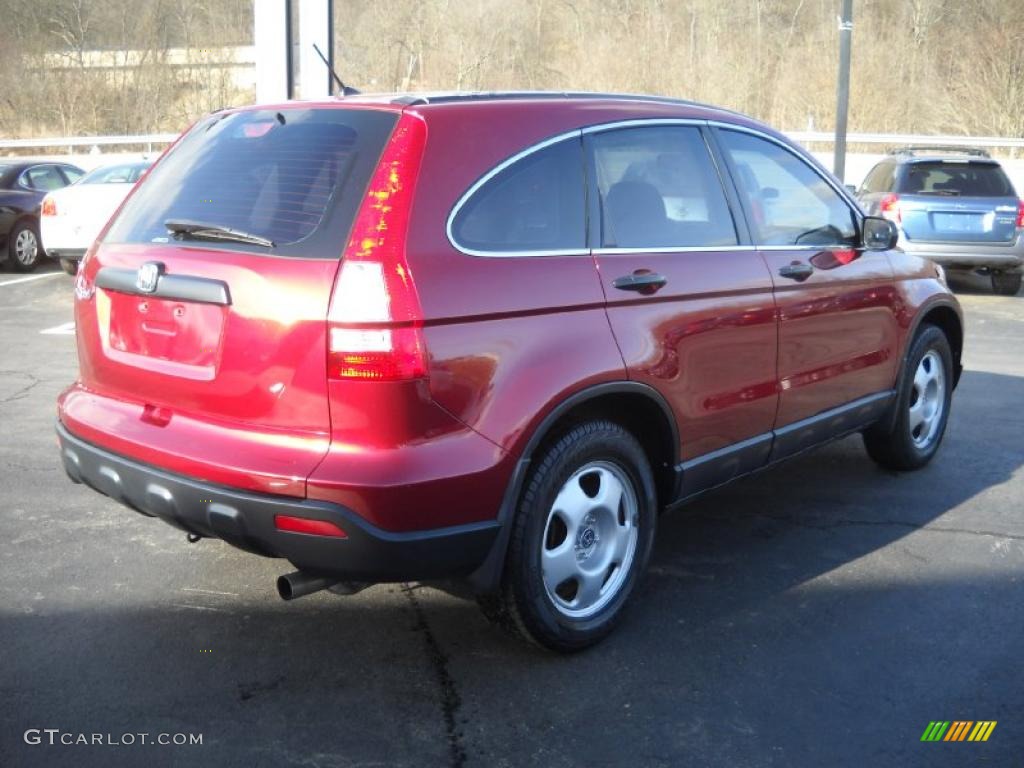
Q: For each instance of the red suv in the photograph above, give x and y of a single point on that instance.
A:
(488, 337)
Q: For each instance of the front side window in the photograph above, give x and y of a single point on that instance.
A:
(789, 202)
(659, 189)
(536, 204)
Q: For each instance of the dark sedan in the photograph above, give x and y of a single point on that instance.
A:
(23, 184)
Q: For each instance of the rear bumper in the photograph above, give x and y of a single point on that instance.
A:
(246, 520)
(968, 255)
(71, 254)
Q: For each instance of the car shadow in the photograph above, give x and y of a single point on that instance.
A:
(820, 613)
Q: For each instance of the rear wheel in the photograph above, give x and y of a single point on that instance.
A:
(580, 541)
(1006, 283)
(24, 247)
(922, 406)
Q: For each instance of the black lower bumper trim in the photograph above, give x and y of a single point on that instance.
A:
(246, 520)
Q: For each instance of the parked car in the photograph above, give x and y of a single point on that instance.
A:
(954, 206)
(488, 338)
(70, 218)
(23, 184)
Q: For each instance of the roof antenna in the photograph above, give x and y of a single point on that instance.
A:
(345, 90)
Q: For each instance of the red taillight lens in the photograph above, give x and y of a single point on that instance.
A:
(305, 525)
(375, 316)
(49, 207)
(889, 206)
(1020, 214)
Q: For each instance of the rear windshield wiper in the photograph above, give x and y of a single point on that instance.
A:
(198, 230)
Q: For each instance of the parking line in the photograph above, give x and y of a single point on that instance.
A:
(30, 277)
(64, 329)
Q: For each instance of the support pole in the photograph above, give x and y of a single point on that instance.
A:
(843, 89)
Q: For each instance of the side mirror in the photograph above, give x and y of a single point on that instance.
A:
(851, 188)
(769, 193)
(879, 234)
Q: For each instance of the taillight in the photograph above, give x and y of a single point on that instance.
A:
(889, 207)
(374, 319)
(49, 207)
(1020, 214)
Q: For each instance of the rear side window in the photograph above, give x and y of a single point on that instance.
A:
(295, 177)
(534, 205)
(967, 179)
(659, 189)
(880, 179)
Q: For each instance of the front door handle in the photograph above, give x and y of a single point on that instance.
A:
(641, 281)
(797, 271)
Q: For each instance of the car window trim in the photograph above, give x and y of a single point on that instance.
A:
(856, 212)
(576, 134)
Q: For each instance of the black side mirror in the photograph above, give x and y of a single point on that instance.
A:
(851, 188)
(879, 234)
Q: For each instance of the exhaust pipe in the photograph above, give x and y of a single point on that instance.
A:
(297, 584)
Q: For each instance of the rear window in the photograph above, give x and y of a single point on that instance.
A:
(967, 179)
(294, 177)
(127, 173)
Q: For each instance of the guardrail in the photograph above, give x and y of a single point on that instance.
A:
(90, 141)
(825, 137)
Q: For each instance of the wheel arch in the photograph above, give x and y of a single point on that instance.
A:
(637, 407)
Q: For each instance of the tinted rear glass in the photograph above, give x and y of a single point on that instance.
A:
(534, 205)
(956, 179)
(128, 173)
(295, 177)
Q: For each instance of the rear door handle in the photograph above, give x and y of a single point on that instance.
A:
(641, 282)
(797, 271)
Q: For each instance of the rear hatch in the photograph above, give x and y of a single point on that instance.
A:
(201, 315)
(953, 201)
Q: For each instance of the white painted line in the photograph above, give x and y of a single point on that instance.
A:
(30, 277)
(64, 329)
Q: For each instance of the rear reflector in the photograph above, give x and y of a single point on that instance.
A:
(305, 525)
(1020, 214)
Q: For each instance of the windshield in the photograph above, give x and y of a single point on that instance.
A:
(967, 179)
(279, 176)
(127, 173)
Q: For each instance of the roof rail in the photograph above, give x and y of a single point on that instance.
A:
(939, 149)
(447, 97)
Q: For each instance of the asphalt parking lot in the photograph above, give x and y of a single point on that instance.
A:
(821, 614)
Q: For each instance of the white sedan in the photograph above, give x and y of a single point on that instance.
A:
(71, 218)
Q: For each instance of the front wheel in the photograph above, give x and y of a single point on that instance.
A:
(580, 540)
(23, 243)
(910, 440)
(1006, 283)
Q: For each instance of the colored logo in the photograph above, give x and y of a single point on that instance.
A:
(958, 730)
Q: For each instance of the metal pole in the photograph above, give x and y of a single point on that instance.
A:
(843, 88)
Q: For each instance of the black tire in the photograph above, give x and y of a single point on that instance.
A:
(1006, 283)
(22, 261)
(70, 266)
(524, 604)
(898, 447)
